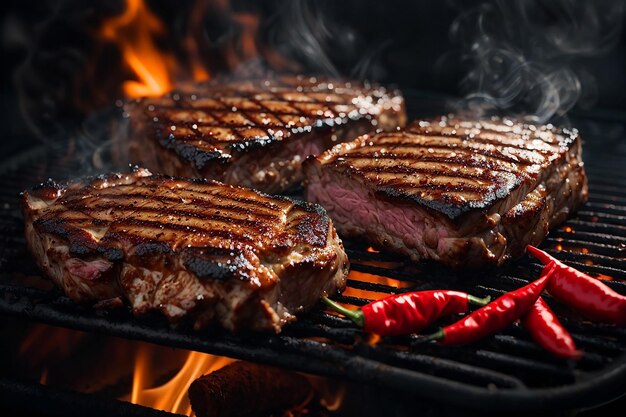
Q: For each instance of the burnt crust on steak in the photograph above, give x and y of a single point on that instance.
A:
(255, 132)
(465, 193)
(214, 252)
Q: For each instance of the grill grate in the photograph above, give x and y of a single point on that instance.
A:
(42, 400)
(506, 371)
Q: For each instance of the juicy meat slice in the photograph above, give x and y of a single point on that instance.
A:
(465, 193)
(215, 252)
(255, 132)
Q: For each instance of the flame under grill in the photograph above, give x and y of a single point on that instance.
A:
(507, 371)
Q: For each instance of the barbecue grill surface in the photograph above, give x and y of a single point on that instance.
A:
(504, 372)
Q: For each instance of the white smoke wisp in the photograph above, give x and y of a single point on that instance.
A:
(301, 31)
(521, 54)
(312, 34)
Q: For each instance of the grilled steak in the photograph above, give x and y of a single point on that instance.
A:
(464, 193)
(257, 132)
(215, 252)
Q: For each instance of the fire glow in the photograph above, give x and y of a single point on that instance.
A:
(373, 279)
(161, 376)
(172, 395)
(135, 32)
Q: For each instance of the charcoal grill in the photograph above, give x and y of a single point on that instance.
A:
(504, 372)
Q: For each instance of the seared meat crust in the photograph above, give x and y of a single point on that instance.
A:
(215, 252)
(465, 193)
(255, 132)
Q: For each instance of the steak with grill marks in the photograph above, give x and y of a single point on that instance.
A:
(255, 132)
(461, 192)
(215, 252)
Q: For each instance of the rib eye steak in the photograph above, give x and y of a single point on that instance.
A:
(215, 252)
(255, 132)
(461, 192)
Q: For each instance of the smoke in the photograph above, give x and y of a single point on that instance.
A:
(312, 34)
(54, 81)
(522, 54)
(304, 34)
(69, 71)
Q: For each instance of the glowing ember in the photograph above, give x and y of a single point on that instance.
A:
(373, 339)
(374, 279)
(171, 396)
(603, 277)
(371, 249)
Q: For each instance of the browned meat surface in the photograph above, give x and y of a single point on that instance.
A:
(215, 252)
(255, 133)
(464, 193)
(248, 389)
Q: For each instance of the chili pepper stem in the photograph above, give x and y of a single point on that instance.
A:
(438, 335)
(355, 315)
(478, 301)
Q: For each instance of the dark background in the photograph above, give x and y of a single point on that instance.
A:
(49, 46)
(410, 45)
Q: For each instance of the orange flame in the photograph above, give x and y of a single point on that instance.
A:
(171, 396)
(603, 277)
(155, 70)
(333, 399)
(135, 31)
(374, 279)
(198, 70)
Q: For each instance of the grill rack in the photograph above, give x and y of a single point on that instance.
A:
(504, 372)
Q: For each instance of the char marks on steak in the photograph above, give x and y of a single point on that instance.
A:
(461, 192)
(255, 132)
(215, 252)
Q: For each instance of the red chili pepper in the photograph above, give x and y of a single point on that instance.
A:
(547, 331)
(493, 317)
(408, 313)
(584, 293)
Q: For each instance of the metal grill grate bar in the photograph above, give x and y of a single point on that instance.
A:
(43, 400)
(608, 191)
(505, 371)
(588, 238)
